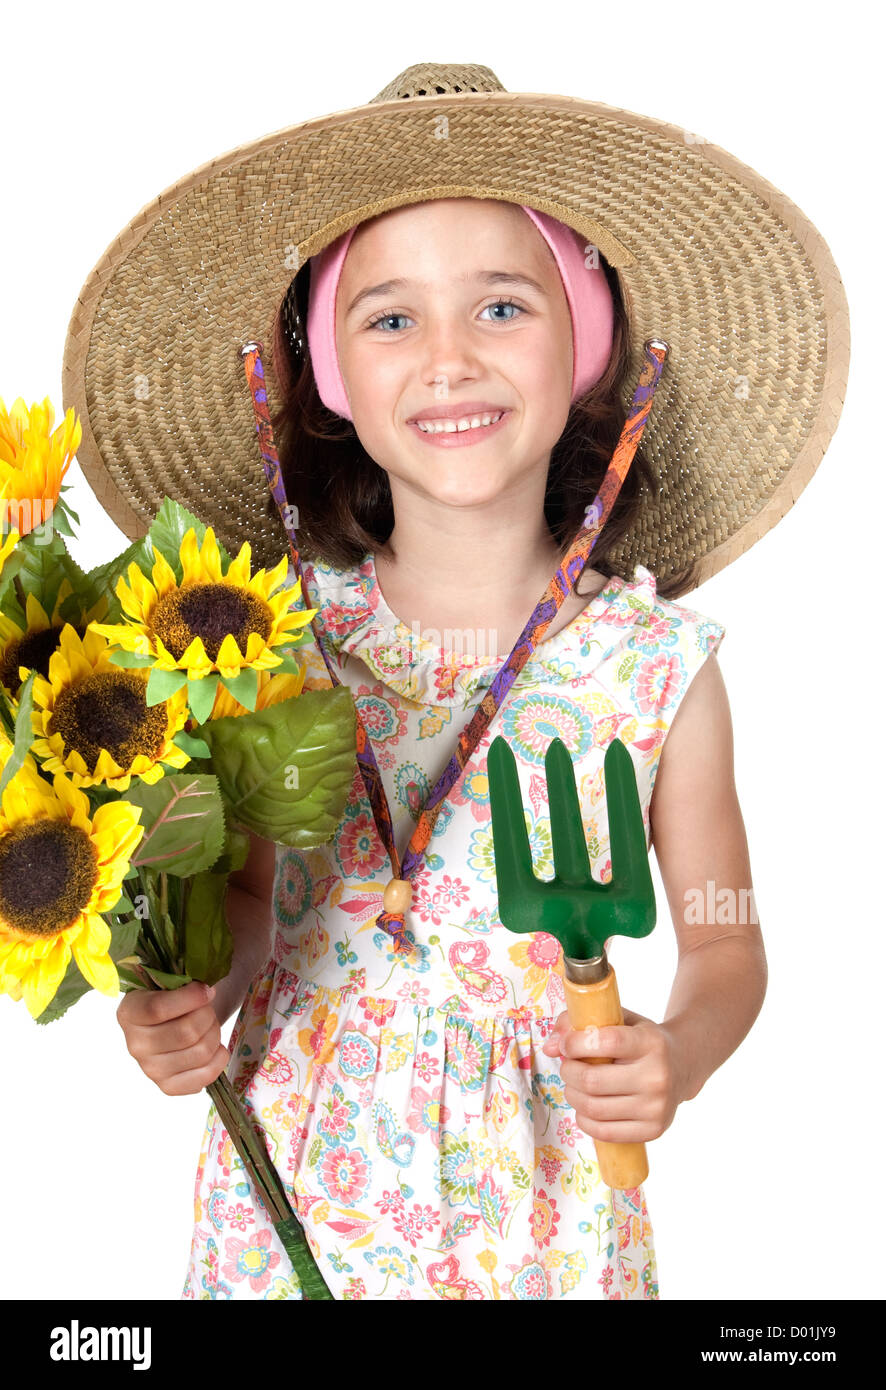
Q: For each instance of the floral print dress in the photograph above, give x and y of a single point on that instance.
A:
(422, 1135)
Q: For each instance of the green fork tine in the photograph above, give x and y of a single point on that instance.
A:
(573, 907)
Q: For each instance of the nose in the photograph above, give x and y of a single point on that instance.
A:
(448, 350)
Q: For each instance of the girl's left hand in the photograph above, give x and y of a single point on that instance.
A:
(633, 1098)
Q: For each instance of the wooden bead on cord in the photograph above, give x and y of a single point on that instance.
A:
(398, 895)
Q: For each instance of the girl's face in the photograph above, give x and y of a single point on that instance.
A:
(478, 314)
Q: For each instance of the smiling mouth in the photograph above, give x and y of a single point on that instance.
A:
(469, 422)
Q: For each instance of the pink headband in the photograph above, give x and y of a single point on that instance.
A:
(587, 293)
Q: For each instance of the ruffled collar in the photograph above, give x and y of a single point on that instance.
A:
(355, 620)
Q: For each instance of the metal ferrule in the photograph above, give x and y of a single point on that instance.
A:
(586, 972)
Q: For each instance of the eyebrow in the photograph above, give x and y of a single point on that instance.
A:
(488, 277)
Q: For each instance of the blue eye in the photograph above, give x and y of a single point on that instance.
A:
(505, 304)
(391, 314)
(384, 318)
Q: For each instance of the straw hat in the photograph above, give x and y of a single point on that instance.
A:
(710, 257)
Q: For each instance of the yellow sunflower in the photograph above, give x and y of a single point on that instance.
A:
(91, 719)
(34, 459)
(210, 622)
(271, 690)
(8, 546)
(33, 645)
(60, 869)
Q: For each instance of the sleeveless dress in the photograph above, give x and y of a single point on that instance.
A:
(422, 1135)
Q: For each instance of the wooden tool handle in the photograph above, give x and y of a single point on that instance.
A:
(621, 1165)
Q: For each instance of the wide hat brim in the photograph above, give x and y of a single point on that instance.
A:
(710, 256)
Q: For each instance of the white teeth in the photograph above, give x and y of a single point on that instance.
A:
(471, 422)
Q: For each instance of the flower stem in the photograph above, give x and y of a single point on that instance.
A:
(266, 1181)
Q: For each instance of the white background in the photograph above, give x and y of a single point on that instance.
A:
(767, 1185)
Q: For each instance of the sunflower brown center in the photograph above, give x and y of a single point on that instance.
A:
(48, 869)
(108, 710)
(209, 611)
(32, 650)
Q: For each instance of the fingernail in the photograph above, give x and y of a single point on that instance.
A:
(592, 1038)
(210, 991)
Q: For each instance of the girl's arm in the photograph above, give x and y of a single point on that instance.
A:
(249, 915)
(701, 848)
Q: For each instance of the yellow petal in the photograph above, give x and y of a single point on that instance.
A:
(255, 644)
(238, 569)
(143, 592)
(95, 935)
(165, 660)
(43, 979)
(278, 574)
(189, 555)
(229, 659)
(35, 614)
(99, 970)
(210, 558)
(194, 660)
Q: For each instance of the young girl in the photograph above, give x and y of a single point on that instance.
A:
(453, 370)
(434, 1116)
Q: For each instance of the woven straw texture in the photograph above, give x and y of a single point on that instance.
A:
(710, 257)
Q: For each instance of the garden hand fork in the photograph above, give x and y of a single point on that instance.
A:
(572, 906)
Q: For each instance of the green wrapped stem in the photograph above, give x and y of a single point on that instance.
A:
(266, 1181)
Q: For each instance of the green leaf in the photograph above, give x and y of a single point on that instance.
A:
(124, 935)
(131, 659)
(165, 981)
(168, 529)
(71, 610)
(60, 523)
(195, 747)
(236, 848)
(62, 515)
(103, 579)
(286, 771)
(11, 567)
(41, 570)
(201, 696)
(123, 919)
(129, 979)
(209, 942)
(72, 987)
(151, 884)
(288, 666)
(162, 685)
(243, 687)
(24, 734)
(184, 823)
(170, 937)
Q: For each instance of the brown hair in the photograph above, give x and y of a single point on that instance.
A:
(344, 499)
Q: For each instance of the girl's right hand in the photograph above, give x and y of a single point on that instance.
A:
(175, 1037)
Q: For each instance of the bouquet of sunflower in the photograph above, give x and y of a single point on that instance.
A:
(151, 714)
